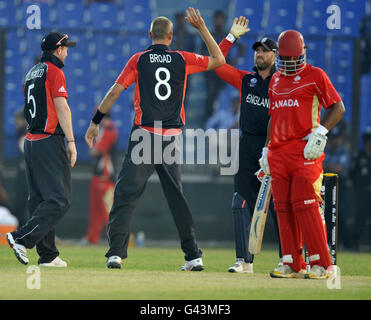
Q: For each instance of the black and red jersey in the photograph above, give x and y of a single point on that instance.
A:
(161, 78)
(253, 93)
(44, 82)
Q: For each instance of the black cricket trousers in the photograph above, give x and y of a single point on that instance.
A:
(49, 185)
(129, 187)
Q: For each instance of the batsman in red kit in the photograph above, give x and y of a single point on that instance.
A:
(293, 155)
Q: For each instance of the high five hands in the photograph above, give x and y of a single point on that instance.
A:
(240, 27)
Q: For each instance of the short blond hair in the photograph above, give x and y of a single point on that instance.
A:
(161, 27)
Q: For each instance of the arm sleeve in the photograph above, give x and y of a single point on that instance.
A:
(129, 74)
(194, 62)
(231, 75)
(58, 84)
(325, 90)
(227, 73)
(225, 46)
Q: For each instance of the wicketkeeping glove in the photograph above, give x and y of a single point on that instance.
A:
(316, 143)
(239, 27)
(263, 161)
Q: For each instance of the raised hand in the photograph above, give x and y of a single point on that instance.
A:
(240, 27)
(194, 18)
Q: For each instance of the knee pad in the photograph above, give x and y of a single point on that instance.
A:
(238, 202)
(303, 195)
(281, 199)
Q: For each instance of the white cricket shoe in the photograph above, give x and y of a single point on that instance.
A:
(317, 272)
(113, 262)
(193, 265)
(19, 250)
(241, 267)
(57, 262)
(285, 271)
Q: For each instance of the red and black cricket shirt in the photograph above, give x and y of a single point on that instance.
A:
(44, 82)
(160, 75)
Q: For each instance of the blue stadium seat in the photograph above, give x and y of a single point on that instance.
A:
(316, 51)
(365, 117)
(352, 12)
(314, 17)
(137, 15)
(282, 16)
(104, 16)
(70, 13)
(253, 10)
(7, 13)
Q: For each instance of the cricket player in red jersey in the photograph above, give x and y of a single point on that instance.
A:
(293, 155)
(160, 75)
(102, 183)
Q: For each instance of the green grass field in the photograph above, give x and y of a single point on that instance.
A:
(153, 274)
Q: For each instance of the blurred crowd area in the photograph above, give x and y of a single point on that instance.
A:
(109, 32)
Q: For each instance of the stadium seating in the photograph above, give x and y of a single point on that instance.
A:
(103, 16)
(281, 15)
(314, 17)
(253, 10)
(365, 118)
(70, 14)
(137, 15)
(7, 13)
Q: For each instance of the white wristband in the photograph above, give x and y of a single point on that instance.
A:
(231, 38)
(322, 130)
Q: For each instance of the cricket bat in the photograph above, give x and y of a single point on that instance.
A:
(260, 215)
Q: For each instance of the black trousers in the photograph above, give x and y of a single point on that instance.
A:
(129, 187)
(247, 184)
(49, 185)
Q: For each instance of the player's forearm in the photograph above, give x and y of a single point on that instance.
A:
(64, 117)
(107, 102)
(333, 115)
(230, 75)
(216, 58)
(110, 98)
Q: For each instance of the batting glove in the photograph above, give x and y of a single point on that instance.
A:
(239, 27)
(316, 143)
(263, 161)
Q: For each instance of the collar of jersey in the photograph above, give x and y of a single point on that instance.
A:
(47, 57)
(158, 47)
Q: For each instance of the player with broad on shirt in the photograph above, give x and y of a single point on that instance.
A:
(293, 155)
(160, 76)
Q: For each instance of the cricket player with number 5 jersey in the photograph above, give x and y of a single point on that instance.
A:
(160, 75)
(294, 153)
(48, 157)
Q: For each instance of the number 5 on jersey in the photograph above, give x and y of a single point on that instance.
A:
(164, 82)
(30, 98)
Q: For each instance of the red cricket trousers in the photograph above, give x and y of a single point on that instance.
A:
(101, 199)
(296, 184)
